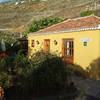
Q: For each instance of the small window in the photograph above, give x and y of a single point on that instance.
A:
(32, 43)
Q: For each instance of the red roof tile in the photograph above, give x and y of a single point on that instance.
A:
(83, 22)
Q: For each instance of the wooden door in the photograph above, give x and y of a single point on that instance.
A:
(46, 46)
(68, 50)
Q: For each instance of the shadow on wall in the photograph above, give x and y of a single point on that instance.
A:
(94, 69)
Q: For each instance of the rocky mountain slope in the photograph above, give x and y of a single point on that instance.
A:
(21, 14)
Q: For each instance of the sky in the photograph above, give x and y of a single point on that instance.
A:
(4, 0)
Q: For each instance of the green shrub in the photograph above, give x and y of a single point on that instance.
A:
(5, 80)
(94, 69)
(43, 23)
(5, 64)
(50, 75)
(14, 67)
(12, 45)
(20, 60)
(78, 70)
(46, 73)
(86, 13)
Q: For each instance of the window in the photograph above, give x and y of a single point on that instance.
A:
(32, 43)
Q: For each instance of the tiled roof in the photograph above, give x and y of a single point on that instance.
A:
(82, 22)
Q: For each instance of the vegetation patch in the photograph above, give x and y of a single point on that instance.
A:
(86, 13)
(41, 24)
(42, 75)
(94, 69)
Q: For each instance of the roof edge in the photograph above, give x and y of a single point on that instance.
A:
(64, 31)
(69, 20)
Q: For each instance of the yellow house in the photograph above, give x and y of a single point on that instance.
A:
(77, 40)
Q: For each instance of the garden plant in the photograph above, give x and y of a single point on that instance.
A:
(43, 74)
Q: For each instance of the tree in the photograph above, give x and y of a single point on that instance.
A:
(43, 23)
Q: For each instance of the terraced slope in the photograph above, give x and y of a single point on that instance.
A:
(13, 16)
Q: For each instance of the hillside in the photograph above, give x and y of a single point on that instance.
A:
(14, 15)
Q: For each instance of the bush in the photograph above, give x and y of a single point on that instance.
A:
(86, 13)
(5, 64)
(94, 69)
(48, 73)
(43, 23)
(78, 70)
(44, 72)
(5, 80)
(12, 67)
(12, 45)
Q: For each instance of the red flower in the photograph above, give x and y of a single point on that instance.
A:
(3, 55)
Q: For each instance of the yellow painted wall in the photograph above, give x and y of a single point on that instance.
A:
(83, 55)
